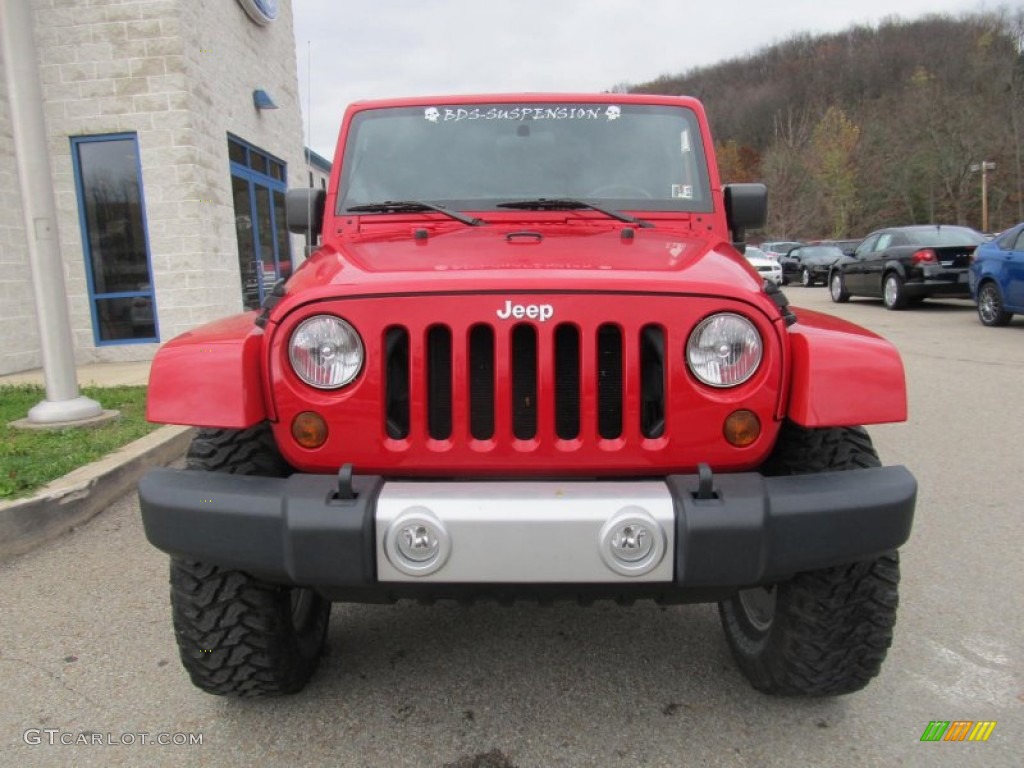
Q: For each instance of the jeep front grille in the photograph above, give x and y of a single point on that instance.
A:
(587, 383)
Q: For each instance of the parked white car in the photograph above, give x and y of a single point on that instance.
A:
(778, 248)
(769, 268)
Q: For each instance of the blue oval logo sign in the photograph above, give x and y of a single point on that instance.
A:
(260, 11)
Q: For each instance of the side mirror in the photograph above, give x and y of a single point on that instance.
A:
(304, 211)
(746, 206)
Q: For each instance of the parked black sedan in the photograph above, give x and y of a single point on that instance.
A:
(903, 265)
(809, 264)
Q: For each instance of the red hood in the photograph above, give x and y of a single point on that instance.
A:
(567, 256)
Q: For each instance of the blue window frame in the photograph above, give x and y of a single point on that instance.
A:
(115, 239)
(258, 183)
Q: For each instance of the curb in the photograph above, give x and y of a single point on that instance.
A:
(82, 494)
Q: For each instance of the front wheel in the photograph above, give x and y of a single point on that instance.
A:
(823, 632)
(990, 306)
(806, 279)
(239, 636)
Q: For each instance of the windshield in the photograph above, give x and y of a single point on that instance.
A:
(475, 157)
(820, 252)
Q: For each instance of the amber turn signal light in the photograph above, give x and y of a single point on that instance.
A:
(309, 429)
(742, 428)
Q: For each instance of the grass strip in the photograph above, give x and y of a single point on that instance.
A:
(29, 459)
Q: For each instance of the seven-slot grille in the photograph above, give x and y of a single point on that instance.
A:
(504, 367)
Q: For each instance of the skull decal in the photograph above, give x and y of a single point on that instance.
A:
(613, 113)
(432, 114)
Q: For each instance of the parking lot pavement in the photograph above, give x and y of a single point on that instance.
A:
(87, 651)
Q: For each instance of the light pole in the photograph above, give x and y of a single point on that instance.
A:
(63, 401)
(984, 166)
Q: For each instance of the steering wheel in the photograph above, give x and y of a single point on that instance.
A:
(616, 189)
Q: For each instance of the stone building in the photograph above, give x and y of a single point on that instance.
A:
(319, 169)
(173, 128)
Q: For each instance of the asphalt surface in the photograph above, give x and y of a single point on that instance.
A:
(87, 650)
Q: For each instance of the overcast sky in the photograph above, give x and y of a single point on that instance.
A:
(349, 51)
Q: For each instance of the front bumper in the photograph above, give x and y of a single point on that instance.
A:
(528, 537)
(819, 272)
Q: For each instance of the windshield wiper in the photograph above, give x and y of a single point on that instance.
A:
(413, 206)
(568, 203)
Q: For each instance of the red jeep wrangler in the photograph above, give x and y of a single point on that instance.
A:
(528, 361)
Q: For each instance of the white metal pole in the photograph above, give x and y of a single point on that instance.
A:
(24, 93)
(984, 196)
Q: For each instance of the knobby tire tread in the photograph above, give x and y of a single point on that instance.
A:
(832, 627)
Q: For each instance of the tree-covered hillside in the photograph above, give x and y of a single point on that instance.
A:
(874, 126)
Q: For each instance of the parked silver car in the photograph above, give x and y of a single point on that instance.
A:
(767, 267)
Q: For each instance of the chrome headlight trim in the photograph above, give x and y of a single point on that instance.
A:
(326, 352)
(724, 350)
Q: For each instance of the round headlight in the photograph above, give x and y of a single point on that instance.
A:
(326, 352)
(724, 350)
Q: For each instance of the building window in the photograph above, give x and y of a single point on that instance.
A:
(258, 183)
(112, 213)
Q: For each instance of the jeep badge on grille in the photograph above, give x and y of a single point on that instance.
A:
(533, 311)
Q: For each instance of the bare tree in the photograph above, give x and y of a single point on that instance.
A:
(833, 143)
(785, 171)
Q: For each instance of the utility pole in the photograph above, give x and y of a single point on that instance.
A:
(63, 401)
(984, 166)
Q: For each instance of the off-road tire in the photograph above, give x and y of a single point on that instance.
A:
(237, 451)
(238, 635)
(894, 295)
(802, 451)
(990, 306)
(837, 288)
(824, 632)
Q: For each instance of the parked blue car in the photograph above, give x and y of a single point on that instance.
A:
(996, 277)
